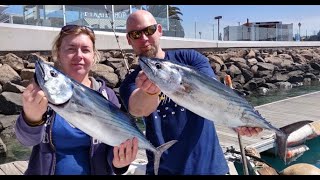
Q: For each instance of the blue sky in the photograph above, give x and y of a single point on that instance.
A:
(203, 15)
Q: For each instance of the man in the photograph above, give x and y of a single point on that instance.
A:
(198, 150)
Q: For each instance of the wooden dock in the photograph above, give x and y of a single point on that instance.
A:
(13, 168)
(280, 113)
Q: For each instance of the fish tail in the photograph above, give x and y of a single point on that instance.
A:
(282, 137)
(158, 153)
(281, 142)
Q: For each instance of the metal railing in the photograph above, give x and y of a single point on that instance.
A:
(4, 18)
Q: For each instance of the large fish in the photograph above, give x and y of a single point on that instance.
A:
(90, 112)
(207, 97)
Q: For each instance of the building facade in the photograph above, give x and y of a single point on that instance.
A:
(97, 17)
(259, 31)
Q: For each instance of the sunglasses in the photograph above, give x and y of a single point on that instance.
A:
(70, 27)
(148, 31)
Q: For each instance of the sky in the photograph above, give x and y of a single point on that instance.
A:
(202, 17)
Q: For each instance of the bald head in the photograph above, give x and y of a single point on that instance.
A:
(147, 42)
(140, 19)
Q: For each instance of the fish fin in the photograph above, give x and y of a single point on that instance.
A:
(281, 145)
(281, 138)
(158, 153)
(288, 129)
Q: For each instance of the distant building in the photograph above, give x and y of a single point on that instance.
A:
(98, 17)
(3, 7)
(4, 18)
(259, 31)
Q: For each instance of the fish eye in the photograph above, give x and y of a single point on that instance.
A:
(158, 65)
(53, 73)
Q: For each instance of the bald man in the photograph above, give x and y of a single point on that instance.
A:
(198, 150)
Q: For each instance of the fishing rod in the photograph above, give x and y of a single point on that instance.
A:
(117, 39)
(232, 150)
(243, 156)
(228, 82)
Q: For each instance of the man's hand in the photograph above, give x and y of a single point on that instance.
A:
(145, 84)
(248, 131)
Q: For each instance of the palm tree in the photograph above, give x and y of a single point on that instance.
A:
(160, 13)
(175, 20)
(174, 13)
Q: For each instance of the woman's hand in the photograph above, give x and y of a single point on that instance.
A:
(34, 103)
(124, 154)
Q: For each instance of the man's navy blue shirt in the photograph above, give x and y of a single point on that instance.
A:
(198, 150)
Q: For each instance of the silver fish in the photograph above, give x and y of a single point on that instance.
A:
(90, 112)
(207, 97)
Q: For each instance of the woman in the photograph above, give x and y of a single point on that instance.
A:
(58, 147)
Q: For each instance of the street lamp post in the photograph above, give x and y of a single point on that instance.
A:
(218, 18)
(299, 24)
(195, 29)
(213, 32)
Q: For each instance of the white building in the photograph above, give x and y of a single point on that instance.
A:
(259, 31)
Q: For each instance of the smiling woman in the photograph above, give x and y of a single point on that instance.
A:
(75, 53)
(46, 128)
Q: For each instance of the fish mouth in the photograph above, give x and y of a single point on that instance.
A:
(40, 70)
(143, 59)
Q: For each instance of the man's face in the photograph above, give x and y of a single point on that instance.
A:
(144, 38)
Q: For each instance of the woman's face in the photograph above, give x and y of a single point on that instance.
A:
(76, 56)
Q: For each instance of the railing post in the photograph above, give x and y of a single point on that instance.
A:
(64, 15)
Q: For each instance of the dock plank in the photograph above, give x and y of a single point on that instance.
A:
(2, 173)
(10, 169)
(21, 165)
